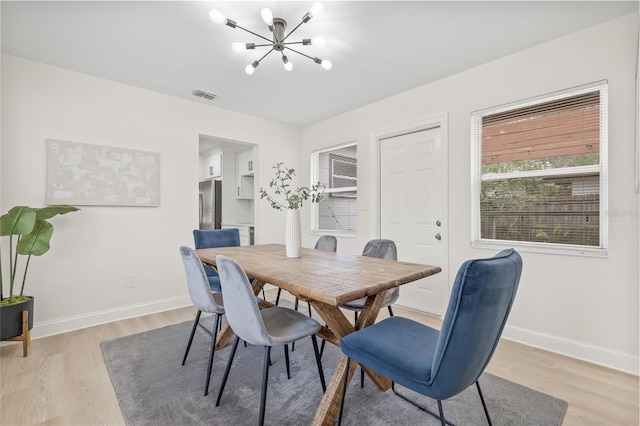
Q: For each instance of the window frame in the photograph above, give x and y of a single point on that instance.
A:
(315, 171)
(602, 168)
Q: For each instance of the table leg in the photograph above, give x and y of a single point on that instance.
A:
(327, 412)
(338, 323)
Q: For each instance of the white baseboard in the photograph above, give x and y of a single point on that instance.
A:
(63, 325)
(592, 354)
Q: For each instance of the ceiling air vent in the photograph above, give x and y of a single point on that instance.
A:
(202, 94)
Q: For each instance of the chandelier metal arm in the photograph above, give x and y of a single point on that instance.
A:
(264, 56)
(299, 53)
(255, 34)
(291, 32)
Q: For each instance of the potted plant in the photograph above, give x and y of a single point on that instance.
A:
(29, 235)
(291, 201)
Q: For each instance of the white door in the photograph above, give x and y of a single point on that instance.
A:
(413, 211)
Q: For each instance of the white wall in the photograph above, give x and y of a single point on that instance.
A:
(81, 280)
(582, 306)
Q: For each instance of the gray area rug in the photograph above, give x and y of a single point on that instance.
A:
(154, 389)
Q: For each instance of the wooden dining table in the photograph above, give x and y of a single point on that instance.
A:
(326, 280)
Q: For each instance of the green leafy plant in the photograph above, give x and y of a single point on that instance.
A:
(29, 235)
(293, 198)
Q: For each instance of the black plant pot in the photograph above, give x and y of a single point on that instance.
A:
(11, 318)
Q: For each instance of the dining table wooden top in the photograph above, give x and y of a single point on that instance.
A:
(331, 278)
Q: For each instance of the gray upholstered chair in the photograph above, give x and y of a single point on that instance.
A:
(441, 364)
(275, 326)
(382, 249)
(327, 243)
(204, 299)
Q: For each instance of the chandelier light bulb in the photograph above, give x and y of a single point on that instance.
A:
(217, 17)
(249, 69)
(287, 64)
(316, 9)
(238, 47)
(267, 16)
(320, 41)
(326, 64)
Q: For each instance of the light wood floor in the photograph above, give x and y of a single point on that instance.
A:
(64, 380)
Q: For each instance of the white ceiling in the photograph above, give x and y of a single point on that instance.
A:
(378, 48)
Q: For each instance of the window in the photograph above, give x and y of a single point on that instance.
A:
(539, 172)
(337, 171)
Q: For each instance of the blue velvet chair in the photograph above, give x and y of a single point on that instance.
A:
(441, 364)
(275, 326)
(205, 300)
(212, 239)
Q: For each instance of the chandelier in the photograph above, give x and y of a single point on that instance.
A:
(278, 43)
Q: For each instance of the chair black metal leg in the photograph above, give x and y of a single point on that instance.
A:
(484, 405)
(265, 379)
(317, 354)
(361, 377)
(227, 369)
(286, 360)
(212, 351)
(441, 413)
(355, 315)
(322, 347)
(193, 332)
(390, 310)
(295, 306)
(309, 306)
(425, 409)
(344, 391)
(278, 296)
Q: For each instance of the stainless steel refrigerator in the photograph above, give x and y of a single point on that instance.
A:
(210, 204)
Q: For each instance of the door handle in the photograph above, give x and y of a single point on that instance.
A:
(438, 237)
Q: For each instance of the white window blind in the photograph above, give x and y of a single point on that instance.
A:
(337, 171)
(540, 171)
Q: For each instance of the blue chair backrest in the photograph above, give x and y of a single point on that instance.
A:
(480, 302)
(213, 238)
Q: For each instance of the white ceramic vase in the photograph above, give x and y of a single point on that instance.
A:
(292, 235)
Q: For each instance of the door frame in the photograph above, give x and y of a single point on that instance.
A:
(436, 120)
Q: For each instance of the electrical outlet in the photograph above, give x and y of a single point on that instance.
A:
(129, 281)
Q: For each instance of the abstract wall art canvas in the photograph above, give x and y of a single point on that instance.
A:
(84, 174)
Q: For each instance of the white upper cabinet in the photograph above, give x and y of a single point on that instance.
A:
(213, 166)
(245, 162)
(244, 174)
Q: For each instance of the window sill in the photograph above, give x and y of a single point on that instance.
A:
(341, 234)
(526, 247)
